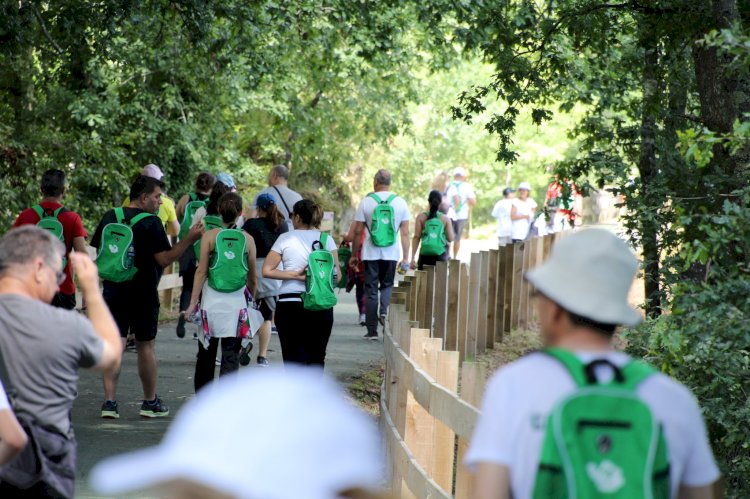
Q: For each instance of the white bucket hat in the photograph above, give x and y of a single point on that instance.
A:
(315, 442)
(460, 171)
(590, 274)
(524, 185)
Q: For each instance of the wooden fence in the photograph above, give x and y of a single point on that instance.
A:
(440, 319)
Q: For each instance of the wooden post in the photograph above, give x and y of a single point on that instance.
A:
(547, 245)
(406, 284)
(451, 324)
(492, 297)
(484, 340)
(515, 308)
(445, 439)
(523, 316)
(472, 384)
(429, 293)
(421, 276)
(420, 425)
(440, 304)
(463, 309)
(475, 270)
(500, 296)
(508, 287)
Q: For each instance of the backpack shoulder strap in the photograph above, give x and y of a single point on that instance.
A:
(119, 215)
(282, 200)
(375, 197)
(39, 211)
(58, 211)
(323, 240)
(138, 218)
(192, 197)
(572, 364)
(391, 198)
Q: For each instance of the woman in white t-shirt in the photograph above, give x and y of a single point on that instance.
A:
(522, 213)
(303, 333)
(12, 436)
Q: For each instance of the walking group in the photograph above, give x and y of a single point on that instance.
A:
(577, 419)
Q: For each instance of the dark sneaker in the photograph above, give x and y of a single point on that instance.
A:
(181, 327)
(245, 354)
(382, 320)
(154, 409)
(109, 410)
(262, 361)
(130, 346)
(371, 336)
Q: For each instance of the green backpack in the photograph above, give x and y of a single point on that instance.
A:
(52, 223)
(344, 255)
(209, 222)
(227, 270)
(383, 230)
(433, 237)
(602, 440)
(115, 258)
(187, 218)
(319, 294)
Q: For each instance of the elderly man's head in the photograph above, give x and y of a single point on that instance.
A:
(145, 193)
(33, 257)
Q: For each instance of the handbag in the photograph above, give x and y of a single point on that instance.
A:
(49, 456)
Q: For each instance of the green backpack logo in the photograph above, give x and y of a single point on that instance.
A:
(115, 258)
(190, 208)
(51, 223)
(227, 270)
(433, 237)
(602, 440)
(209, 222)
(344, 255)
(319, 294)
(383, 230)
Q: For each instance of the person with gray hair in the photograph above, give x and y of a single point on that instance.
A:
(278, 180)
(41, 350)
(384, 215)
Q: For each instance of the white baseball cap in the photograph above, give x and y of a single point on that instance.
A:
(460, 171)
(524, 185)
(314, 442)
(153, 171)
(590, 274)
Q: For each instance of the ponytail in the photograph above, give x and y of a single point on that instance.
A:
(434, 199)
(273, 217)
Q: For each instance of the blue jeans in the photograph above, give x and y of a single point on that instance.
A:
(379, 275)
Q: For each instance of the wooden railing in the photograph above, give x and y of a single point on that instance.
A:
(440, 319)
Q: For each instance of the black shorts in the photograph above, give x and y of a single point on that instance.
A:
(266, 306)
(458, 228)
(135, 310)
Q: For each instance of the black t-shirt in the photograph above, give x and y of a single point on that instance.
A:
(264, 236)
(149, 239)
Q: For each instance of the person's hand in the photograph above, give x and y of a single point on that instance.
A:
(195, 232)
(413, 264)
(354, 262)
(302, 274)
(86, 271)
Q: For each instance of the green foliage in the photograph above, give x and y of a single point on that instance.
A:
(705, 341)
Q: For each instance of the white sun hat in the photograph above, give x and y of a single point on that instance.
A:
(314, 443)
(590, 274)
(460, 171)
(524, 185)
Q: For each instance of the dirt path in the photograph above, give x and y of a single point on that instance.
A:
(348, 354)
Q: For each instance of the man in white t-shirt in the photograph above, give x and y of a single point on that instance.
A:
(501, 212)
(582, 294)
(278, 180)
(379, 262)
(461, 197)
(522, 213)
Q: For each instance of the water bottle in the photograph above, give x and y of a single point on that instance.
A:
(130, 257)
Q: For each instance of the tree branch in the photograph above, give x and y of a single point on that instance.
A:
(39, 18)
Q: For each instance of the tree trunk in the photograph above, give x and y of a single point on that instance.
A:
(647, 168)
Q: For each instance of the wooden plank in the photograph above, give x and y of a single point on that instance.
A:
(421, 303)
(451, 321)
(475, 271)
(508, 292)
(500, 295)
(472, 382)
(419, 424)
(523, 305)
(463, 308)
(547, 246)
(533, 243)
(406, 285)
(440, 300)
(492, 297)
(484, 270)
(515, 308)
(445, 438)
(429, 293)
(169, 282)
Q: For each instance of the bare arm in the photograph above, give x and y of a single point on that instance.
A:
(97, 311)
(173, 228)
(349, 237)
(207, 245)
(492, 481)
(418, 228)
(180, 209)
(358, 227)
(712, 491)
(252, 278)
(271, 272)
(166, 258)
(404, 229)
(79, 245)
(12, 436)
(448, 226)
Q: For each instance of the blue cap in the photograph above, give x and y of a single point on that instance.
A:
(264, 201)
(226, 179)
